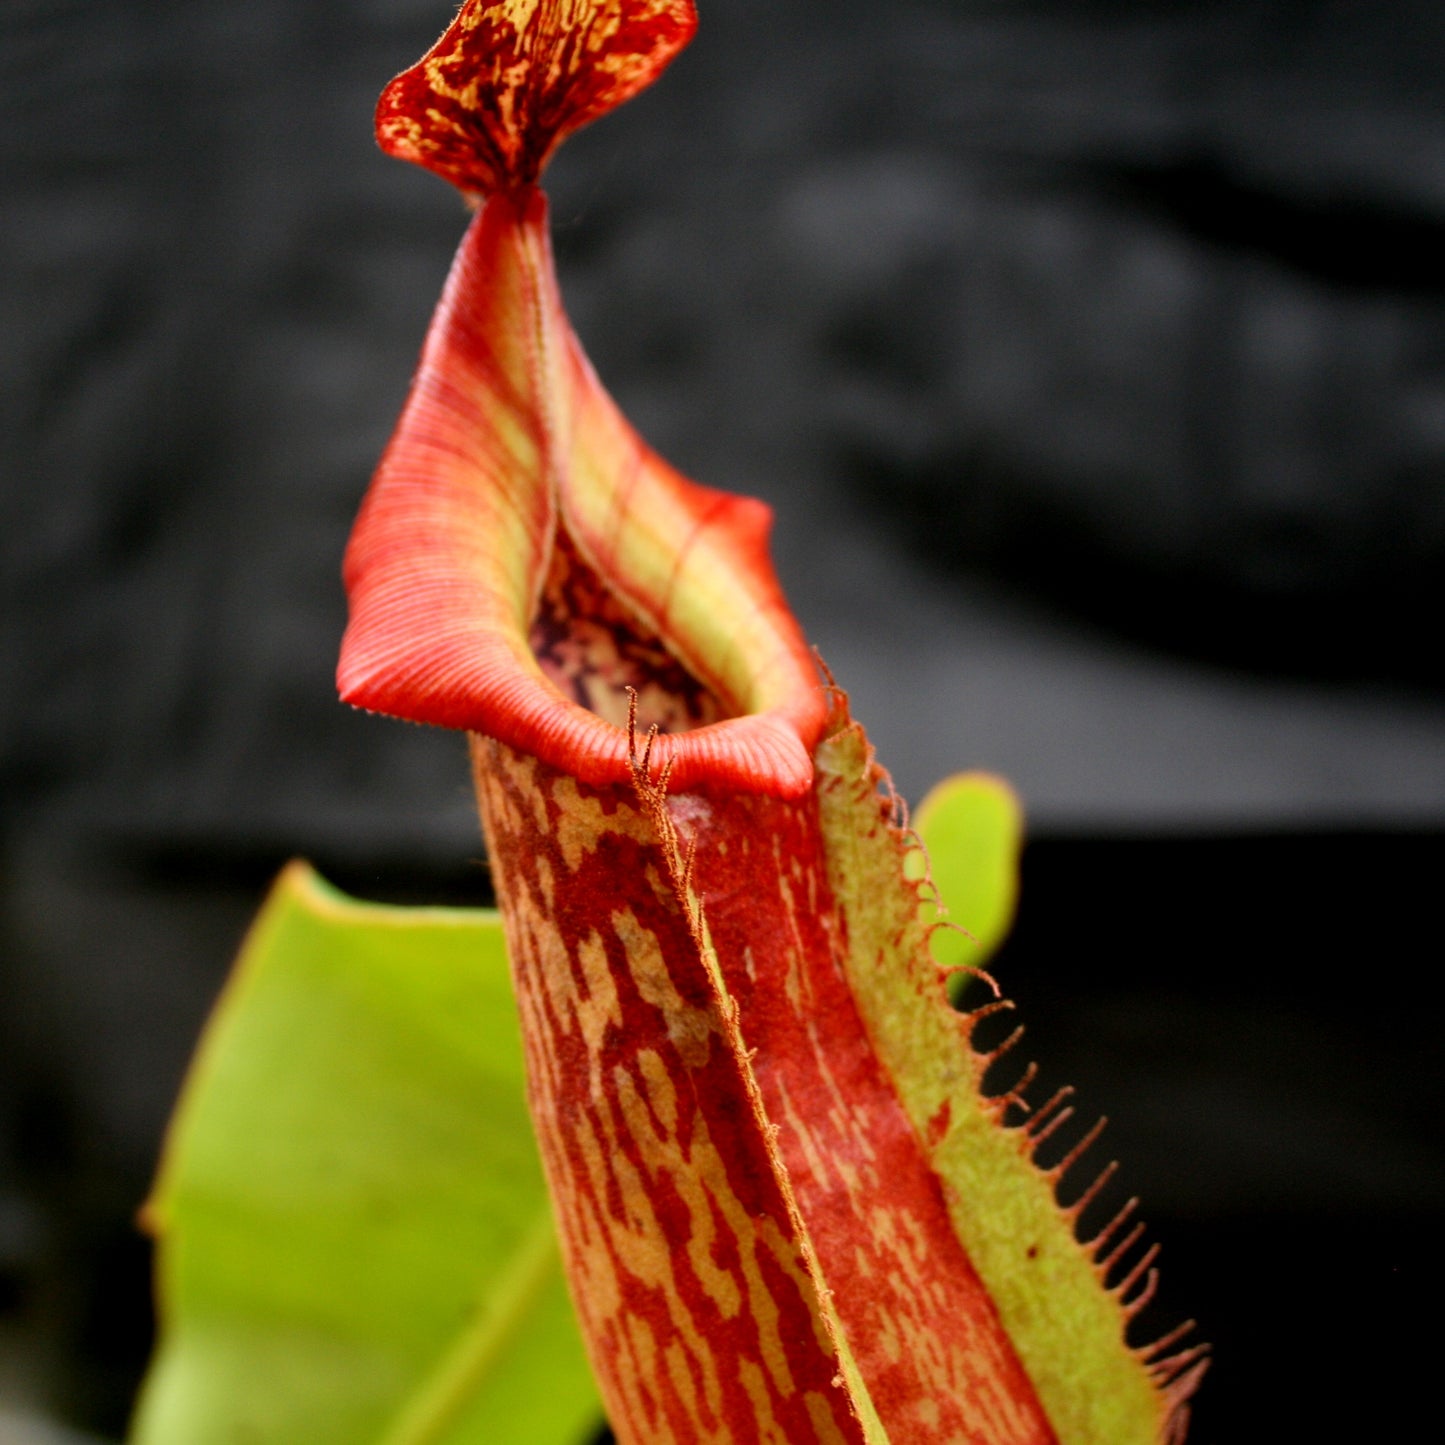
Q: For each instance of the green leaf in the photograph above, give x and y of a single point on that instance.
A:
(972, 826)
(354, 1238)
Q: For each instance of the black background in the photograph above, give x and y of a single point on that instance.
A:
(1092, 357)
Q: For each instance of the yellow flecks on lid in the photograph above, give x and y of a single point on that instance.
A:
(519, 13)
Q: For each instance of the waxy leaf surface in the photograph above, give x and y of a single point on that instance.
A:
(972, 826)
(354, 1244)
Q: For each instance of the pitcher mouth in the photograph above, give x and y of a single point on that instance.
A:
(524, 563)
(523, 558)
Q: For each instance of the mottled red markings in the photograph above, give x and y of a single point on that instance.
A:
(920, 1321)
(593, 650)
(938, 1124)
(509, 80)
(687, 1274)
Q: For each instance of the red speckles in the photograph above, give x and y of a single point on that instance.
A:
(510, 79)
(742, 1069)
(919, 1319)
(938, 1124)
(700, 1314)
(594, 653)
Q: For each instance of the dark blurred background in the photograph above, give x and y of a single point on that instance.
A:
(1093, 357)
